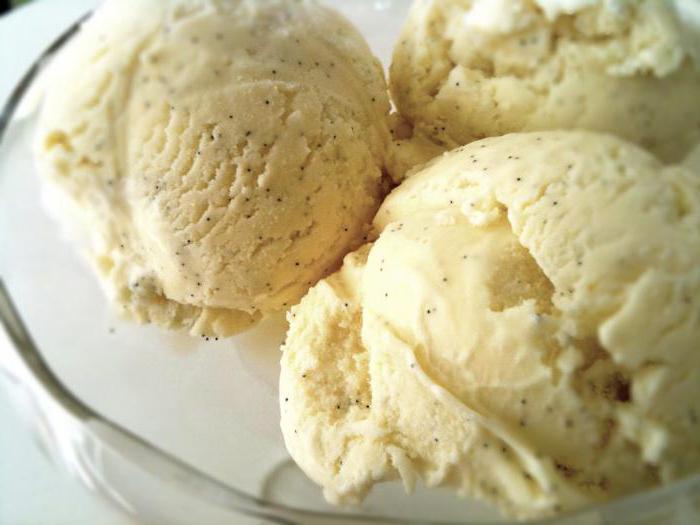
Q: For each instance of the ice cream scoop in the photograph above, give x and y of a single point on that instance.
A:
(463, 71)
(223, 155)
(525, 330)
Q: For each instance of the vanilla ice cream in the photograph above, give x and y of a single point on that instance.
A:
(223, 155)
(407, 148)
(525, 329)
(463, 71)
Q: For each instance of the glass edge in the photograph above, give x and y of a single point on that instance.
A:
(207, 487)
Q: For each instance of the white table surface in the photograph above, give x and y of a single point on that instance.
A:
(32, 491)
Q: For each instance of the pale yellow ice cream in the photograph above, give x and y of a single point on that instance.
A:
(525, 329)
(465, 70)
(407, 149)
(223, 154)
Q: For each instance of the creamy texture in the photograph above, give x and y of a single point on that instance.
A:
(496, 16)
(506, 16)
(462, 71)
(555, 8)
(407, 149)
(525, 329)
(225, 155)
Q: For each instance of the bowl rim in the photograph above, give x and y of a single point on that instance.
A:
(172, 470)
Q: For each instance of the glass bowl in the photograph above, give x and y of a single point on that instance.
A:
(177, 430)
